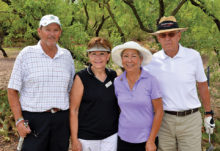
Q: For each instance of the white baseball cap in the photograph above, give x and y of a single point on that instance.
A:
(48, 19)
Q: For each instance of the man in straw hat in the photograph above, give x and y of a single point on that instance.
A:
(38, 90)
(179, 70)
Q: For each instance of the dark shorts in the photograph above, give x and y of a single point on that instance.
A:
(49, 132)
(126, 146)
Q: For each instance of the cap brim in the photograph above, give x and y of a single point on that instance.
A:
(48, 23)
(169, 30)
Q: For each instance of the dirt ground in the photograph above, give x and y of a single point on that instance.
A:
(8, 146)
(6, 65)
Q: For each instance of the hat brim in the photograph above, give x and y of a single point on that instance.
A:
(50, 22)
(116, 53)
(169, 30)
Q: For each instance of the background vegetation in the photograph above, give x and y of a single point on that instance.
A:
(117, 20)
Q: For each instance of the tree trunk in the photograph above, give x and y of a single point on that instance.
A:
(178, 7)
(130, 3)
(100, 25)
(87, 16)
(115, 22)
(217, 54)
(3, 51)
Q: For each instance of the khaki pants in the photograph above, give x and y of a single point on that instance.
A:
(181, 133)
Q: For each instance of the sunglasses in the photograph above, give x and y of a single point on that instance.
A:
(164, 35)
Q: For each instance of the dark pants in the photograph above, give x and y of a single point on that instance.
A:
(49, 132)
(126, 146)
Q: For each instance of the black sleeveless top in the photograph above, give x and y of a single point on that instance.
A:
(99, 111)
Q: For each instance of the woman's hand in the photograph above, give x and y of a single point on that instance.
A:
(150, 146)
(76, 145)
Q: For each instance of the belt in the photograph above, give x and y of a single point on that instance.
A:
(182, 113)
(53, 110)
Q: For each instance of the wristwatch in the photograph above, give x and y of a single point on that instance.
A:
(209, 113)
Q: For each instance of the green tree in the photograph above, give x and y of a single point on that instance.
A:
(118, 20)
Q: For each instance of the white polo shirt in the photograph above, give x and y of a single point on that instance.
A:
(43, 82)
(177, 77)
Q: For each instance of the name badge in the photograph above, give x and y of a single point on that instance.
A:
(108, 84)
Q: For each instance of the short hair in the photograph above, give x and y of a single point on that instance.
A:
(139, 53)
(99, 41)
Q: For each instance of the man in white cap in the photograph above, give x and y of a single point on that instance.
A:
(180, 72)
(38, 90)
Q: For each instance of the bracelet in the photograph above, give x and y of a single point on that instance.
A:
(19, 120)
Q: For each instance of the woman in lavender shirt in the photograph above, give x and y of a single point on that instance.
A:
(139, 98)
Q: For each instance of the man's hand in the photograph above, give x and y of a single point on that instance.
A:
(23, 130)
(209, 124)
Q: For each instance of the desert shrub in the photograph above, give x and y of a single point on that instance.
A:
(7, 124)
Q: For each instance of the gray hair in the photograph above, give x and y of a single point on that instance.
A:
(140, 54)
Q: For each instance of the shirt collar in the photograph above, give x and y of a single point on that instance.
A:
(144, 74)
(59, 50)
(179, 54)
(89, 70)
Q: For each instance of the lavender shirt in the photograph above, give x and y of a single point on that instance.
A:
(136, 106)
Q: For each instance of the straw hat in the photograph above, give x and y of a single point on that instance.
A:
(116, 52)
(167, 24)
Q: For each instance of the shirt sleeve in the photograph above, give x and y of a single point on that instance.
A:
(72, 75)
(15, 81)
(200, 73)
(155, 89)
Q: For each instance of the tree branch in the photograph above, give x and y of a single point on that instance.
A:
(7, 2)
(73, 19)
(218, 54)
(87, 15)
(130, 3)
(215, 19)
(3, 33)
(162, 11)
(3, 51)
(115, 22)
(100, 25)
(178, 7)
(4, 12)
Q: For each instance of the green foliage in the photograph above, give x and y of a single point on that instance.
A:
(23, 18)
(7, 124)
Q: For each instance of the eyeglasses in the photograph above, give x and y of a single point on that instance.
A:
(171, 35)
